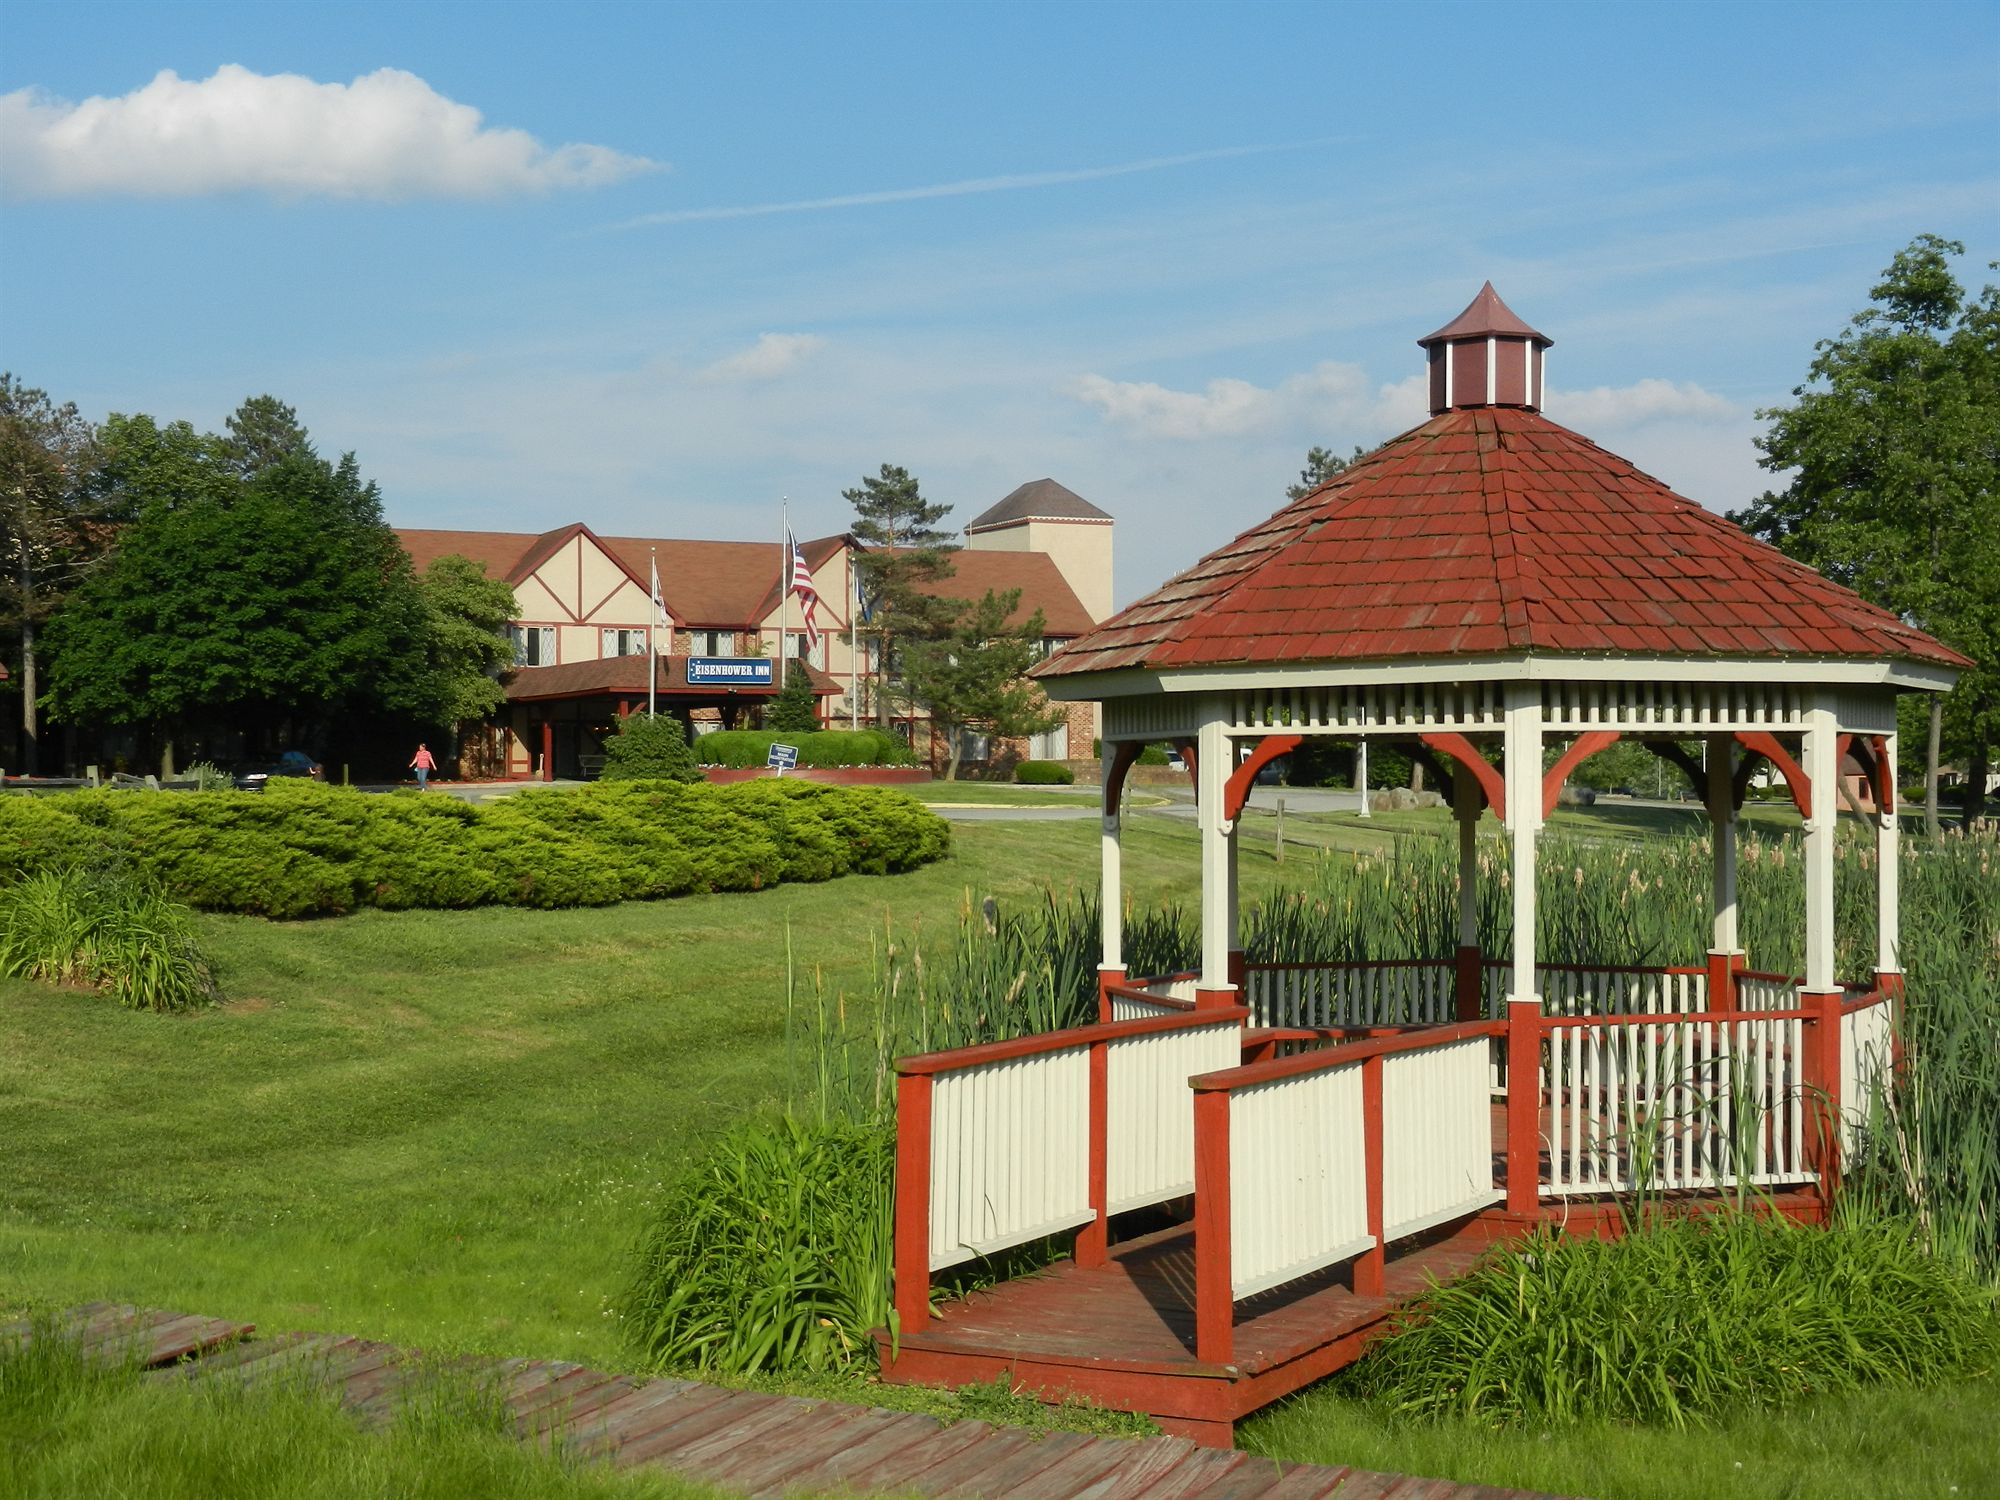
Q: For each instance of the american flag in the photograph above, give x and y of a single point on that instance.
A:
(802, 585)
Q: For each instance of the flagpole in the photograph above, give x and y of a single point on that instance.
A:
(784, 583)
(853, 643)
(652, 642)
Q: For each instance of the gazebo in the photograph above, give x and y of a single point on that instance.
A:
(1484, 586)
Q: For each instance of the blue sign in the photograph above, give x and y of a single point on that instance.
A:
(783, 757)
(729, 671)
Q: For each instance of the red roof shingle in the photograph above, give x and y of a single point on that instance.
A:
(1492, 530)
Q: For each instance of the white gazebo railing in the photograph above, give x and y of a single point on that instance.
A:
(1867, 1056)
(1672, 1103)
(1333, 1153)
(1007, 1142)
(1303, 1162)
(1386, 992)
(1140, 998)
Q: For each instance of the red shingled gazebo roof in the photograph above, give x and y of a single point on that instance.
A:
(1491, 530)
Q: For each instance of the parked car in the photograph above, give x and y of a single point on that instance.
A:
(1623, 791)
(291, 763)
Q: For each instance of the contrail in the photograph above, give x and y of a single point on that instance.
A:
(1013, 182)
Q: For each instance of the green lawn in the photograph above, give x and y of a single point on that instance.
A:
(999, 794)
(443, 1128)
(1884, 1445)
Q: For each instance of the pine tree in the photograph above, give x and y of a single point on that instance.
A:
(910, 556)
(795, 709)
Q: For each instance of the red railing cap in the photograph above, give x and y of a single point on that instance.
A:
(1069, 1039)
(1224, 1080)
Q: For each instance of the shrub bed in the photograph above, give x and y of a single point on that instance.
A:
(1043, 773)
(298, 849)
(823, 749)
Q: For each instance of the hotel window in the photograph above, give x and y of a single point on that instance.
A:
(711, 642)
(974, 746)
(534, 645)
(795, 647)
(624, 642)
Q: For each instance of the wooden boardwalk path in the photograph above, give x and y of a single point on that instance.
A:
(1122, 1334)
(739, 1441)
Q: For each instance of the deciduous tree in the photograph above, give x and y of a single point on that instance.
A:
(974, 674)
(1893, 452)
(249, 603)
(465, 630)
(48, 459)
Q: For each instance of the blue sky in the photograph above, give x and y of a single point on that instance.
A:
(692, 258)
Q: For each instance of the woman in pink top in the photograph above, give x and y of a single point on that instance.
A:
(423, 765)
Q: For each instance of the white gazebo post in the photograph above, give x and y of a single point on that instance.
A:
(1888, 873)
(1524, 1004)
(1211, 774)
(1822, 767)
(1361, 773)
(1111, 917)
(1820, 995)
(1238, 960)
(1465, 803)
(1725, 951)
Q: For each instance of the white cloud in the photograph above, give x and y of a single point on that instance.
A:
(388, 134)
(773, 354)
(1330, 396)
(1224, 408)
(1642, 401)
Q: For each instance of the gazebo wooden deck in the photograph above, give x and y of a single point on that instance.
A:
(1327, 1137)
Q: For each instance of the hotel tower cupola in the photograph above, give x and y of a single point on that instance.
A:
(1485, 357)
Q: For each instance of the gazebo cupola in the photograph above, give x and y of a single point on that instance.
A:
(1485, 356)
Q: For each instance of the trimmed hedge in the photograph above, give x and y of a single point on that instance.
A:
(299, 849)
(824, 749)
(1043, 773)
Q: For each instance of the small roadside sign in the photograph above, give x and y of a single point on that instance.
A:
(784, 758)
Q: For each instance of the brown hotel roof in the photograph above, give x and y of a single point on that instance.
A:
(730, 585)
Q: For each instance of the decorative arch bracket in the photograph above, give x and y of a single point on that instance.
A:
(1492, 784)
(1185, 749)
(1237, 791)
(1871, 754)
(1885, 786)
(1757, 742)
(1122, 761)
(1586, 745)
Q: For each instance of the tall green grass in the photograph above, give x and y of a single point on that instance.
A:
(1932, 1147)
(1682, 1321)
(108, 929)
(772, 1254)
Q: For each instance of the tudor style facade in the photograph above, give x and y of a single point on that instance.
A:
(586, 628)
